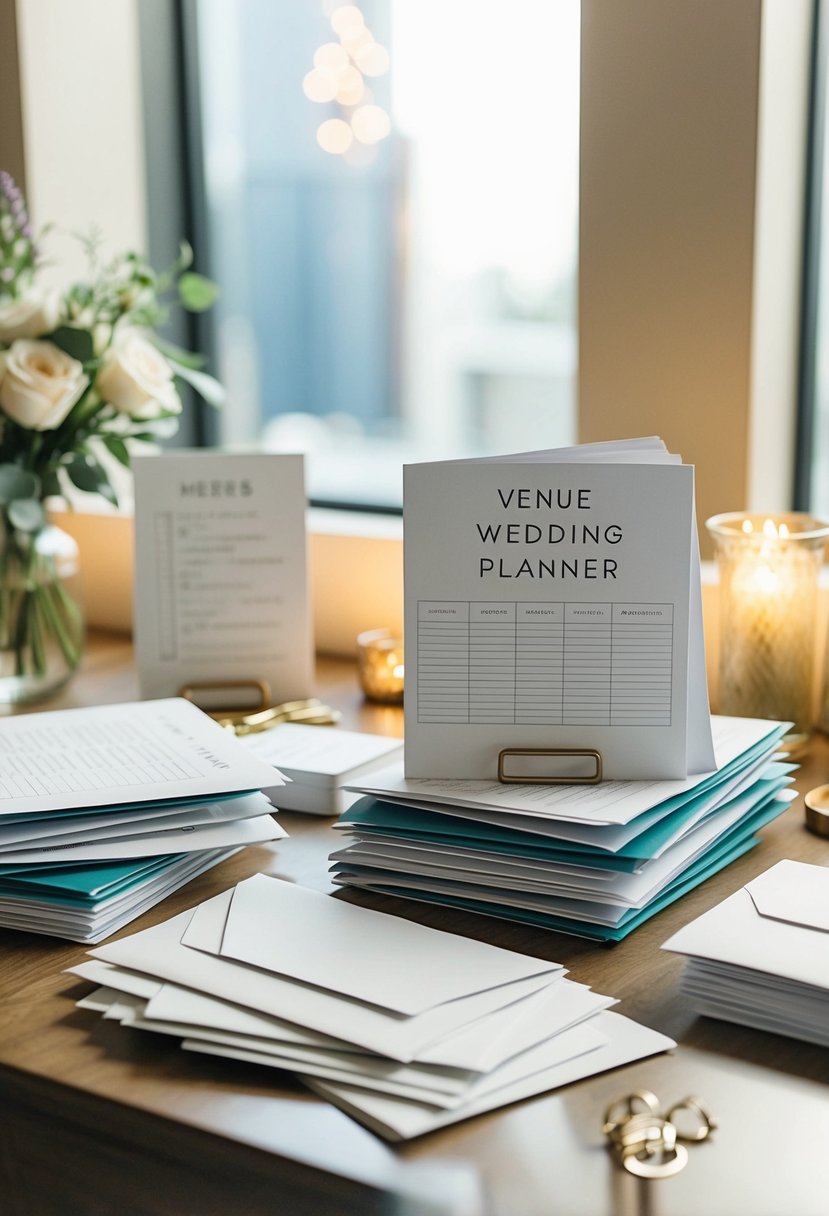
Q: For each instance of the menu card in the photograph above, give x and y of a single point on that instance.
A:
(221, 586)
(553, 600)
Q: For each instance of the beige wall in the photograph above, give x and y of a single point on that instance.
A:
(675, 239)
(82, 122)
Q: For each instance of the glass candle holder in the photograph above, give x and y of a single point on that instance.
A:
(769, 568)
(380, 666)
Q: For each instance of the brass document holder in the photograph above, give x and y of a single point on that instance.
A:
(516, 779)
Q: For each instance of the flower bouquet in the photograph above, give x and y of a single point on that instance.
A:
(84, 376)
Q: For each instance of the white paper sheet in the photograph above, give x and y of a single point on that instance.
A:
(236, 833)
(221, 580)
(109, 755)
(69, 829)
(609, 803)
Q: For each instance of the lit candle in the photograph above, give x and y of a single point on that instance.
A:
(380, 666)
(768, 570)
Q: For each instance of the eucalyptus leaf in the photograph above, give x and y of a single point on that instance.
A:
(208, 389)
(26, 514)
(85, 473)
(17, 483)
(183, 358)
(75, 342)
(118, 449)
(196, 292)
(51, 487)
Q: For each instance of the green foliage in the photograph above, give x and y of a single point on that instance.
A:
(74, 342)
(116, 295)
(197, 293)
(26, 514)
(17, 483)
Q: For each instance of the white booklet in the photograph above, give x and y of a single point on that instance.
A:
(553, 599)
(221, 585)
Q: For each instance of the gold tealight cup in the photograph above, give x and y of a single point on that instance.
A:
(380, 666)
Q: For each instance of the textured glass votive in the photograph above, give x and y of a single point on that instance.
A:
(768, 567)
(380, 666)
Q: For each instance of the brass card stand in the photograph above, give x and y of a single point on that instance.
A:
(549, 779)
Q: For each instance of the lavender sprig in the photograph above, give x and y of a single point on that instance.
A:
(18, 252)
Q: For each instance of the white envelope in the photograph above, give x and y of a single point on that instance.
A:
(374, 957)
(608, 1041)
(158, 952)
(776, 924)
(482, 1046)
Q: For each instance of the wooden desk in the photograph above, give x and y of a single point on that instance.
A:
(98, 1119)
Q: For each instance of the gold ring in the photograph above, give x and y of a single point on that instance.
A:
(707, 1122)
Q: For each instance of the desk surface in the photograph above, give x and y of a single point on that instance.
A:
(108, 1120)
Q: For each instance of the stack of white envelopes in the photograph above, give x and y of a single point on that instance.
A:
(761, 957)
(405, 1027)
(105, 811)
(591, 860)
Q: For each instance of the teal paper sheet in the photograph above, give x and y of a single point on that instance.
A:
(405, 824)
(85, 885)
(721, 853)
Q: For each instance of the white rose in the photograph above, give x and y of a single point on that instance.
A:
(39, 384)
(29, 317)
(136, 379)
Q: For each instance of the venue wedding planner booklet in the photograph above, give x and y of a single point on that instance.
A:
(221, 588)
(552, 599)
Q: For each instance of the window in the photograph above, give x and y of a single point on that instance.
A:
(413, 295)
(812, 477)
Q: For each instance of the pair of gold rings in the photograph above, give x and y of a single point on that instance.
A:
(646, 1142)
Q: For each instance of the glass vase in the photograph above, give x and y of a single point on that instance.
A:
(41, 620)
(768, 594)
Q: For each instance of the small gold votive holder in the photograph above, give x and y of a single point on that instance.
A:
(768, 605)
(380, 666)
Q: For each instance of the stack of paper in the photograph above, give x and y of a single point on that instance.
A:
(104, 812)
(318, 764)
(761, 957)
(405, 1027)
(592, 860)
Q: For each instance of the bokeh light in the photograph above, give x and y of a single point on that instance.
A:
(334, 136)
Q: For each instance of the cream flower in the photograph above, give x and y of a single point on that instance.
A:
(39, 384)
(136, 379)
(29, 317)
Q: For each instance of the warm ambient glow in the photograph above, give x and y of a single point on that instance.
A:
(346, 17)
(334, 136)
(768, 603)
(331, 58)
(338, 76)
(370, 124)
(319, 86)
(372, 59)
(380, 665)
(350, 87)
